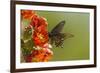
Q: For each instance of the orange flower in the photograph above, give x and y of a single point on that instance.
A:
(28, 58)
(41, 55)
(39, 38)
(43, 21)
(34, 21)
(37, 21)
(40, 35)
(27, 14)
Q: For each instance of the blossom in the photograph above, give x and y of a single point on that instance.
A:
(40, 33)
(34, 21)
(40, 39)
(43, 21)
(27, 14)
(37, 21)
(42, 55)
(28, 58)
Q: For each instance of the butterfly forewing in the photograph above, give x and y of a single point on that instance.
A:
(58, 28)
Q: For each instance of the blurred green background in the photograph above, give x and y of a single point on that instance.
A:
(77, 47)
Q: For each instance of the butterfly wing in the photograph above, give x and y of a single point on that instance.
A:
(58, 28)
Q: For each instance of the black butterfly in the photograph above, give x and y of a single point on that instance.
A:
(57, 37)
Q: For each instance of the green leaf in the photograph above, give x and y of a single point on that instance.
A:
(25, 22)
(27, 34)
(25, 51)
(29, 44)
(22, 43)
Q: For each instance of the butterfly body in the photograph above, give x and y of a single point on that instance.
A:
(56, 35)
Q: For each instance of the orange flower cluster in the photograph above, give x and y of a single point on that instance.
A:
(42, 52)
(27, 14)
(40, 36)
(39, 56)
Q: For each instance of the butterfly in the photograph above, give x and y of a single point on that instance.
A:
(56, 35)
